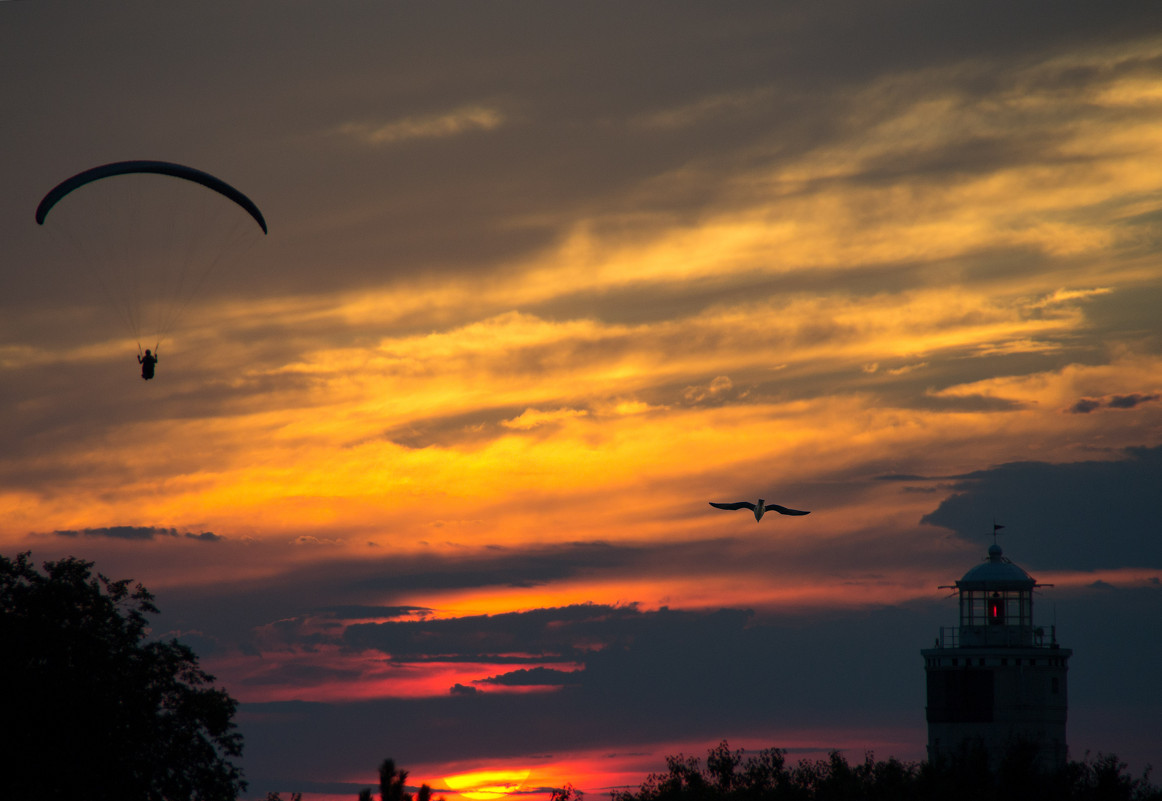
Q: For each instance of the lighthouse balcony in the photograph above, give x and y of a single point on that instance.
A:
(997, 637)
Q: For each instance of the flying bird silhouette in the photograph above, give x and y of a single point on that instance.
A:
(759, 508)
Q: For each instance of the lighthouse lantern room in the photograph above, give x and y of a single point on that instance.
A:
(997, 680)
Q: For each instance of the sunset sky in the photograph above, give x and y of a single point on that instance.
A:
(425, 471)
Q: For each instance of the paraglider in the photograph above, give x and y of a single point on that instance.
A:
(147, 362)
(149, 236)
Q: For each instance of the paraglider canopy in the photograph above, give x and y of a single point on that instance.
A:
(158, 167)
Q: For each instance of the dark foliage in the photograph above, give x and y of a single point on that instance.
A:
(766, 776)
(567, 793)
(391, 786)
(91, 709)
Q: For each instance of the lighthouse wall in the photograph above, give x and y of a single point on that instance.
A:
(997, 698)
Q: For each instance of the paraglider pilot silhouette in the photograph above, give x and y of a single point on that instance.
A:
(147, 362)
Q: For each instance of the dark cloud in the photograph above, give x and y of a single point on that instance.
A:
(967, 156)
(465, 429)
(563, 634)
(138, 533)
(1132, 312)
(1130, 401)
(534, 677)
(358, 612)
(205, 536)
(289, 609)
(1080, 515)
(968, 403)
(356, 589)
(1087, 405)
(291, 673)
(503, 567)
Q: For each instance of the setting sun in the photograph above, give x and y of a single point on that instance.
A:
(485, 785)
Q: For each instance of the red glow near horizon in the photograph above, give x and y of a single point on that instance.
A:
(330, 672)
(597, 772)
(287, 676)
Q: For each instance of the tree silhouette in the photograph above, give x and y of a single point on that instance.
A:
(391, 782)
(92, 710)
(391, 785)
(567, 793)
(965, 776)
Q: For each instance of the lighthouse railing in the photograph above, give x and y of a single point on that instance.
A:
(949, 637)
(996, 636)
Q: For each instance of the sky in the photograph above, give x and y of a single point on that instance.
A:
(425, 470)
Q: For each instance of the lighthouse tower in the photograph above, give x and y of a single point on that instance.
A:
(996, 680)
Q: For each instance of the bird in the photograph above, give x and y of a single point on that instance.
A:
(759, 508)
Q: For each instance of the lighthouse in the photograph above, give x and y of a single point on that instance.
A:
(997, 680)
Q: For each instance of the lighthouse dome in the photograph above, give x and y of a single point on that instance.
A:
(996, 573)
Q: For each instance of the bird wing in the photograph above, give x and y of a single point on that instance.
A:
(784, 510)
(739, 505)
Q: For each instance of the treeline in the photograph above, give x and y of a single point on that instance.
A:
(969, 776)
(767, 776)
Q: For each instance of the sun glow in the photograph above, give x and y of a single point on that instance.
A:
(485, 785)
